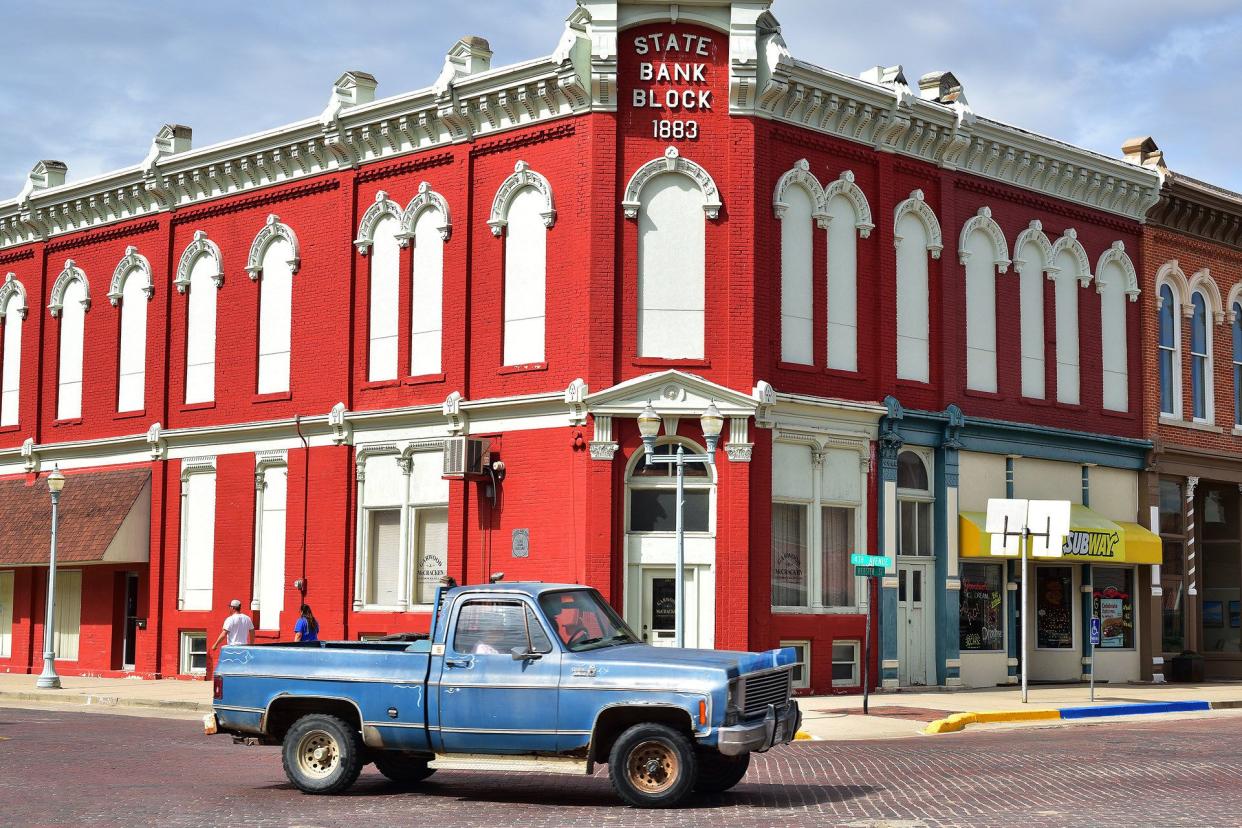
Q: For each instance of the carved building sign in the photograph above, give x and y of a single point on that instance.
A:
(671, 73)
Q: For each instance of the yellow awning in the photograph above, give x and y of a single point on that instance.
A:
(1093, 538)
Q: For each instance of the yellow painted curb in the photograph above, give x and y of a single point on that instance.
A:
(958, 721)
(803, 736)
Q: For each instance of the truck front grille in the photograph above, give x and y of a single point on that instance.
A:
(763, 689)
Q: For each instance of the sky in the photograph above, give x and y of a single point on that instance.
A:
(90, 83)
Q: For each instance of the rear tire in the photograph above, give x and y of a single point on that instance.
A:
(718, 773)
(652, 766)
(402, 770)
(322, 754)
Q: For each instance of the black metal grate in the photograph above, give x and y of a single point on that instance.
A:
(763, 689)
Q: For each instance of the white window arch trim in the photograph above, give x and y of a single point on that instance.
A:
(200, 246)
(13, 290)
(928, 495)
(1209, 345)
(845, 187)
(383, 207)
(67, 276)
(273, 230)
(131, 263)
(1068, 243)
(800, 175)
(429, 199)
(1033, 239)
(671, 162)
(1116, 253)
(917, 206)
(1202, 282)
(521, 178)
(1034, 235)
(1235, 297)
(710, 483)
(982, 222)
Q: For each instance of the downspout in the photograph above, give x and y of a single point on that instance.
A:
(297, 423)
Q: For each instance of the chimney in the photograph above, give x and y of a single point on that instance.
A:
(355, 87)
(470, 55)
(941, 87)
(47, 174)
(889, 76)
(1144, 152)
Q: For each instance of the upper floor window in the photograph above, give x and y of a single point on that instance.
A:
(71, 299)
(1115, 281)
(201, 273)
(1032, 259)
(914, 505)
(274, 258)
(849, 217)
(428, 226)
(522, 212)
(379, 234)
(671, 197)
(13, 311)
(132, 288)
(982, 250)
(1073, 272)
(1200, 358)
(1236, 312)
(916, 233)
(1168, 339)
(796, 207)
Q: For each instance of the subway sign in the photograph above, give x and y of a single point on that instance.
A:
(1092, 544)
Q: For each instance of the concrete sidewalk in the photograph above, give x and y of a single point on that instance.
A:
(906, 713)
(167, 695)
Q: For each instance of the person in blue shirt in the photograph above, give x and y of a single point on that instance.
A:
(306, 628)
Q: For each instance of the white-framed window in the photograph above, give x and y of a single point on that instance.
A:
(1169, 353)
(914, 505)
(131, 381)
(1073, 272)
(982, 250)
(525, 301)
(403, 529)
(653, 493)
(1032, 258)
(385, 306)
(916, 235)
(275, 317)
(200, 336)
(198, 533)
(13, 310)
(1117, 284)
(797, 287)
(193, 652)
(72, 333)
(1237, 363)
(6, 613)
(68, 614)
(271, 498)
(802, 667)
(981, 609)
(427, 293)
(816, 501)
(672, 239)
(845, 666)
(1200, 359)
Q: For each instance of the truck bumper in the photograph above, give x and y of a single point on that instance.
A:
(776, 728)
(210, 725)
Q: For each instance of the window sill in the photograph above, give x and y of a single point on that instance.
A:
(914, 384)
(130, 415)
(276, 396)
(1121, 415)
(841, 373)
(528, 368)
(657, 362)
(198, 406)
(800, 367)
(9, 429)
(982, 395)
(818, 611)
(1064, 406)
(424, 379)
(1194, 426)
(73, 421)
(1035, 401)
(372, 385)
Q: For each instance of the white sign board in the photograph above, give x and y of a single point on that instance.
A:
(1005, 523)
(1049, 523)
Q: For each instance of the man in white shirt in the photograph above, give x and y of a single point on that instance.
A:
(238, 628)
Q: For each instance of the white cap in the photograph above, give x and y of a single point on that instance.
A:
(235, 603)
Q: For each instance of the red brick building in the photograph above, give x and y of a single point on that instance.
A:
(304, 323)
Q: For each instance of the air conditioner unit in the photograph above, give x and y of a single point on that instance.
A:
(465, 458)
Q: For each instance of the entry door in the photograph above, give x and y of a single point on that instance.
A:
(131, 620)
(659, 607)
(913, 617)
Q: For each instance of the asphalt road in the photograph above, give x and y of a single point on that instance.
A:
(71, 768)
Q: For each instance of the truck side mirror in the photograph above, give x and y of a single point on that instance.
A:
(523, 654)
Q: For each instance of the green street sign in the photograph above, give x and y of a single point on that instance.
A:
(880, 561)
(869, 571)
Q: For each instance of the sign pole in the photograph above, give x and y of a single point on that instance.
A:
(867, 647)
(1023, 615)
(869, 567)
(1095, 632)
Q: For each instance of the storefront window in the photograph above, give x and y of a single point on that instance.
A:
(981, 621)
(1113, 595)
(1170, 507)
(837, 527)
(1220, 585)
(789, 575)
(914, 508)
(1054, 607)
(1172, 570)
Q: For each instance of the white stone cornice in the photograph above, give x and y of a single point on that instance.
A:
(125, 269)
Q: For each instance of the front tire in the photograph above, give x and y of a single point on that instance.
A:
(403, 770)
(718, 773)
(322, 754)
(652, 766)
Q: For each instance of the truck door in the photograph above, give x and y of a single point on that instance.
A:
(490, 702)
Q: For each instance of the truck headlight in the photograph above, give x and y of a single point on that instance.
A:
(732, 704)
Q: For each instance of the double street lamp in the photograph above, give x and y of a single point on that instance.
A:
(649, 427)
(49, 679)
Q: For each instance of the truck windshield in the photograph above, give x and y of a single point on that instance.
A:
(584, 621)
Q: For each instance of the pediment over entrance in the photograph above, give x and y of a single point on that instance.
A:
(671, 392)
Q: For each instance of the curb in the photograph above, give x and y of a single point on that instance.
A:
(959, 721)
(91, 700)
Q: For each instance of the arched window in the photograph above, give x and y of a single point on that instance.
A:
(1115, 281)
(982, 251)
(1237, 363)
(1200, 358)
(797, 251)
(914, 505)
(385, 304)
(12, 315)
(273, 260)
(201, 273)
(1073, 272)
(523, 212)
(71, 298)
(849, 217)
(132, 288)
(1032, 258)
(1169, 375)
(916, 233)
(427, 296)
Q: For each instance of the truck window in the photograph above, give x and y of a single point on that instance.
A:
(583, 621)
(487, 627)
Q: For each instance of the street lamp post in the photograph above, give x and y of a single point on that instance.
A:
(648, 427)
(49, 679)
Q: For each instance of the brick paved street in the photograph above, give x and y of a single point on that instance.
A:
(59, 768)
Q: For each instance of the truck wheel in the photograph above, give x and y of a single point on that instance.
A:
(403, 770)
(652, 766)
(718, 773)
(322, 754)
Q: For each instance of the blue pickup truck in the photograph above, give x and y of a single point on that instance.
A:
(514, 676)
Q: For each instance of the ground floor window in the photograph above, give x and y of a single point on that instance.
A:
(193, 652)
(1113, 596)
(6, 614)
(845, 663)
(802, 667)
(68, 614)
(1054, 607)
(981, 619)
(801, 579)
(1172, 569)
(383, 556)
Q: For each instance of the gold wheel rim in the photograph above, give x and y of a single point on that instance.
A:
(318, 754)
(653, 767)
